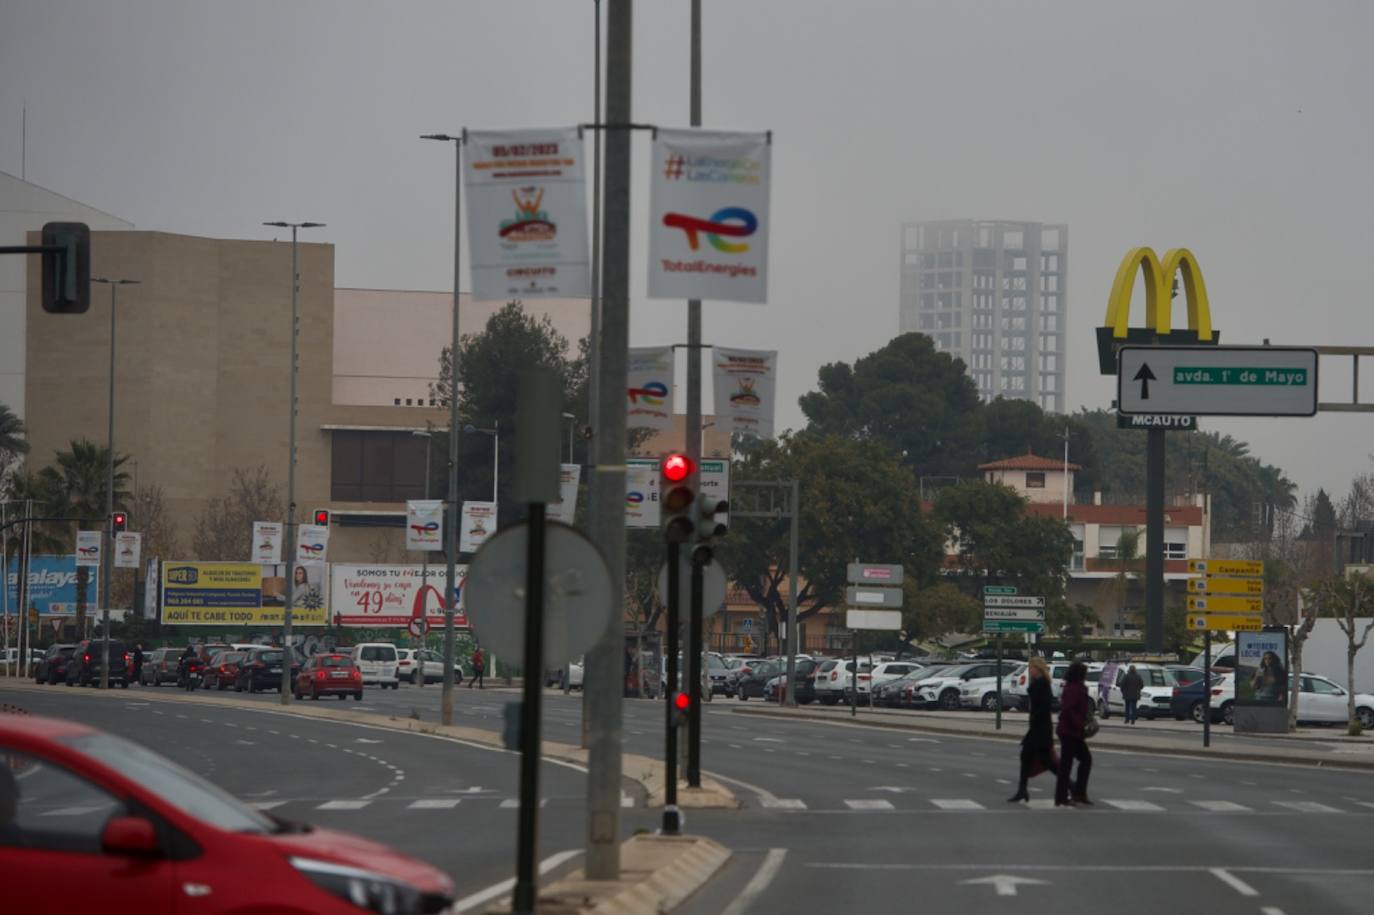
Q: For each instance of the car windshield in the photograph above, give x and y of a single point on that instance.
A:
(269, 657)
(379, 653)
(187, 792)
(714, 663)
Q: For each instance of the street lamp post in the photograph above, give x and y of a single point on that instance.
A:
(108, 546)
(428, 436)
(288, 652)
(495, 434)
(572, 423)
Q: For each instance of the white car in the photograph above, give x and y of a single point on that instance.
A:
(1017, 690)
(941, 690)
(1319, 701)
(430, 666)
(377, 662)
(982, 692)
(883, 673)
(1156, 696)
(834, 676)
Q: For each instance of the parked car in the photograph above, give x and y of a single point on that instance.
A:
(223, 670)
(160, 666)
(52, 666)
(1185, 700)
(835, 675)
(718, 675)
(1156, 697)
(981, 692)
(261, 668)
(1320, 701)
(152, 837)
(87, 659)
(889, 693)
(941, 689)
(754, 678)
(882, 672)
(329, 675)
(1058, 669)
(804, 682)
(377, 661)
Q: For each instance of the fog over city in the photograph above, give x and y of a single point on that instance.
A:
(1237, 129)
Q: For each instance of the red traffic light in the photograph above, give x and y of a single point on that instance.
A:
(681, 701)
(322, 517)
(676, 467)
(119, 522)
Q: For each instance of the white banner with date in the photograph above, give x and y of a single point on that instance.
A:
(745, 381)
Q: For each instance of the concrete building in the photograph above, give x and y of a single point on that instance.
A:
(994, 294)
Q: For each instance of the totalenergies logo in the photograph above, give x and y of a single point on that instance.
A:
(634, 499)
(88, 551)
(423, 529)
(732, 222)
(652, 394)
(312, 549)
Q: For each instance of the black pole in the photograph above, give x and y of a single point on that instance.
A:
(854, 675)
(999, 681)
(694, 686)
(671, 823)
(526, 874)
(1154, 541)
(1207, 688)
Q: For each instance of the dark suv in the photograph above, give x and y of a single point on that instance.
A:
(53, 666)
(261, 669)
(84, 667)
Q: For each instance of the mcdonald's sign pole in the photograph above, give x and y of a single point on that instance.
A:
(1115, 332)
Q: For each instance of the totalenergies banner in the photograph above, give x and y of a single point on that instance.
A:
(708, 216)
(649, 388)
(52, 586)
(379, 596)
(527, 213)
(745, 381)
(225, 593)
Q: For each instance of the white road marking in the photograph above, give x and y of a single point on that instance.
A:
(1234, 882)
(443, 803)
(482, 897)
(1221, 806)
(1136, 806)
(511, 803)
(767, 740)
(772, 863)
(1270, 910)
(864, 804)
(785, 803)
(73, 811)
(343, 805)
(956, 804)
(1308, 807)
(1041, 803)
(1005, 884)
(1164, 790)
(265, 805)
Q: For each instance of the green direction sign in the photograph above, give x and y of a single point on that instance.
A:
(998, 626)
(999, 589)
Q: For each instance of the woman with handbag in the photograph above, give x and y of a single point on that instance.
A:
(1037, 747)
(1076, 724)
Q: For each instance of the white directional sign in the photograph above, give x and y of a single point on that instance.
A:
(1217, 380)
(857, 596)
(1012, 600)
(1014, 613)
(873, 619)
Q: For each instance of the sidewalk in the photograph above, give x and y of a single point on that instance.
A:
(1308, 747)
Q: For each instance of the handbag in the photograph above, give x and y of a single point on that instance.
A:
(1090, 724)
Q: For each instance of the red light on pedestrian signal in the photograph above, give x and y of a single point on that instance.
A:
(322, 517)
(676, 467)
(681, 701)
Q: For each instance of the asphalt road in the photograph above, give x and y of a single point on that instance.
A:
(838, 818)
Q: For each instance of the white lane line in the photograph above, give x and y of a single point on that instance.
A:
(512, 803)
(343, 805)
(1308, 807)
(1270, 910)
(1136, 806)
(785, 803)
(265, 805)
(481, 897)
(1041, 803)
(1221, 806)
(960, 803)
(869, 805)
(1234, 882)
(772, 863)
(443, 803)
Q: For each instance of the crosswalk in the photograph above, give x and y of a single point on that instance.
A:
(910, 803)
(423, 803)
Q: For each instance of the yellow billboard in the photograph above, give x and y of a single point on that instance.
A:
(223, 594)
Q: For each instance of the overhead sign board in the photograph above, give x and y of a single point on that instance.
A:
(1012, 600)
(872, 573)
(1156, 421)
(1000, 626)
(1228, 567)
(1217, 622)
(890, 620)
(998, 589)
(1013, 613)
(1212, 585)
(857, 596)
(1217, 380)
(1224, 604)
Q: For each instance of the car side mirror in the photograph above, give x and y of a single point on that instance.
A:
(130, 836)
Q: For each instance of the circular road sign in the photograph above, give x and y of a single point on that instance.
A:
(418, 626)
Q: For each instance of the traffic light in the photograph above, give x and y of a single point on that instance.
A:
(675, 497)
(708, 523)
(67, 270)
(119, 522)
(322, 517)
(682, 707)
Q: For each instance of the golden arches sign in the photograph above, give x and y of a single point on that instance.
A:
(1159, 279)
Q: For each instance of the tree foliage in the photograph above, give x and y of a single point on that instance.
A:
(996, 541)
(224, 529)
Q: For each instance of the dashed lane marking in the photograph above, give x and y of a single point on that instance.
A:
(1136, 806)
(956, 804)
(1221, 806)
(343, 805)
(865, 804)
(1307, 807)
(265, 805)
(443, 803)
(784, 803)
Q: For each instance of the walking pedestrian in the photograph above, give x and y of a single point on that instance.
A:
(478, 669)
(138, 663)
(1037, 747)
(1074, 710)
(1131, 685)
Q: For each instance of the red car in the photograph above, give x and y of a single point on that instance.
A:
(223, 670)
(83, 808)
(329, 675)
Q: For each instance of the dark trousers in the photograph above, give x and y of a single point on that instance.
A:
(1131, 705)
(1029, 754)
(1070, 749)
(476, 679)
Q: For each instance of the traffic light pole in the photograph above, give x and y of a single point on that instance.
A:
(694, 681)
(108, 546)
(672, 823)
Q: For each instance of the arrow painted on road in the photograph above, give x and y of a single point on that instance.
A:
(1144, 376)
(1006, 884)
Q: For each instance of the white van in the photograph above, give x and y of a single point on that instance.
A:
(377, 661)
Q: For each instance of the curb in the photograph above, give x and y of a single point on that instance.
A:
(646, 771)
(1098, 742)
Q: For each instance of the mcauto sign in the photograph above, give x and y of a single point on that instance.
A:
(1217, 380)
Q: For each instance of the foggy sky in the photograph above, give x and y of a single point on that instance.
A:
(1240, 130)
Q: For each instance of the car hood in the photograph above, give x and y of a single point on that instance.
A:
(939, 681)
(355, 851)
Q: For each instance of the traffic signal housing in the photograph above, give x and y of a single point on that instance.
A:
(707, 524)
(67, 268)
(682, 708)
(119, 522)
(676, 497)
(322, 517)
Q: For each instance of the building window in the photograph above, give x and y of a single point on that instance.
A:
(370, 466)
(1175, 550)
(1035, 479)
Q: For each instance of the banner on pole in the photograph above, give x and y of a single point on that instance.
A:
(312, 542)
(641, 492)
(527, 213)
(745, 382)
(88, 549)
(150, 588)
(708, 215)
(565, 509)
(267, 536)
(649, 388)
(376, 596)
(425, 525)
(479, 523)
(127, 547)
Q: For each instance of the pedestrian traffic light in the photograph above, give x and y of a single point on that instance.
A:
(682, 707)
(708, 522)
(322, 517)
(119, 522)
(66, 267)
(676, 496)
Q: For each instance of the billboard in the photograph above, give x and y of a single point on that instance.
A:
(1262, 668)
(381, 595)
(231, 593)
(52, 585)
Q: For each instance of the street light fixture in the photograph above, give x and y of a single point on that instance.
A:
(287, 649)
(572, 424)
(108, 548)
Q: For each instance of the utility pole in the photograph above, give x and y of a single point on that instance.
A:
(594, 325)
(605, 674)
(1154, 540)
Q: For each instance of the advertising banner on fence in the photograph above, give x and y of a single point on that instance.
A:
(312, 543)
(745, 382)
(479, 523)
(383, 596)
(88, 549)
(267, 536)
(310, 594)
(52, 585)
(1262, 668)
(127, 547)
(708, 215)
(649, 388)
(565, 509)
(527, 213)
(230, 593)
(425, 525)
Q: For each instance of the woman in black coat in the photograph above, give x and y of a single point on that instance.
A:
(1037, 747)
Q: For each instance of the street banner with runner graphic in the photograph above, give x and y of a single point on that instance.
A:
(708, 215)
(479, 523)
(527, 213)
(312, 543)
(649, 388)
(267, 537)
(745, 382)
(565, 509)
(380, 596)
(425, 525)
(127, 547)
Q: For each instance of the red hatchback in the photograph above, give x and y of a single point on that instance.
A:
(223, 670)
(329, 675)
(83, 808)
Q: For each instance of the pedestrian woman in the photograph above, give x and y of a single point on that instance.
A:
(1073, 740)
(1037, 747)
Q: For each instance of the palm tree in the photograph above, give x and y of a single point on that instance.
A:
(1113, 591)
(12, 443)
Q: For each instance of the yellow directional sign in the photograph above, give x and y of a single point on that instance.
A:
(1225, 604)
(1210, 585)
(1217, 622)
(1244, 567)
